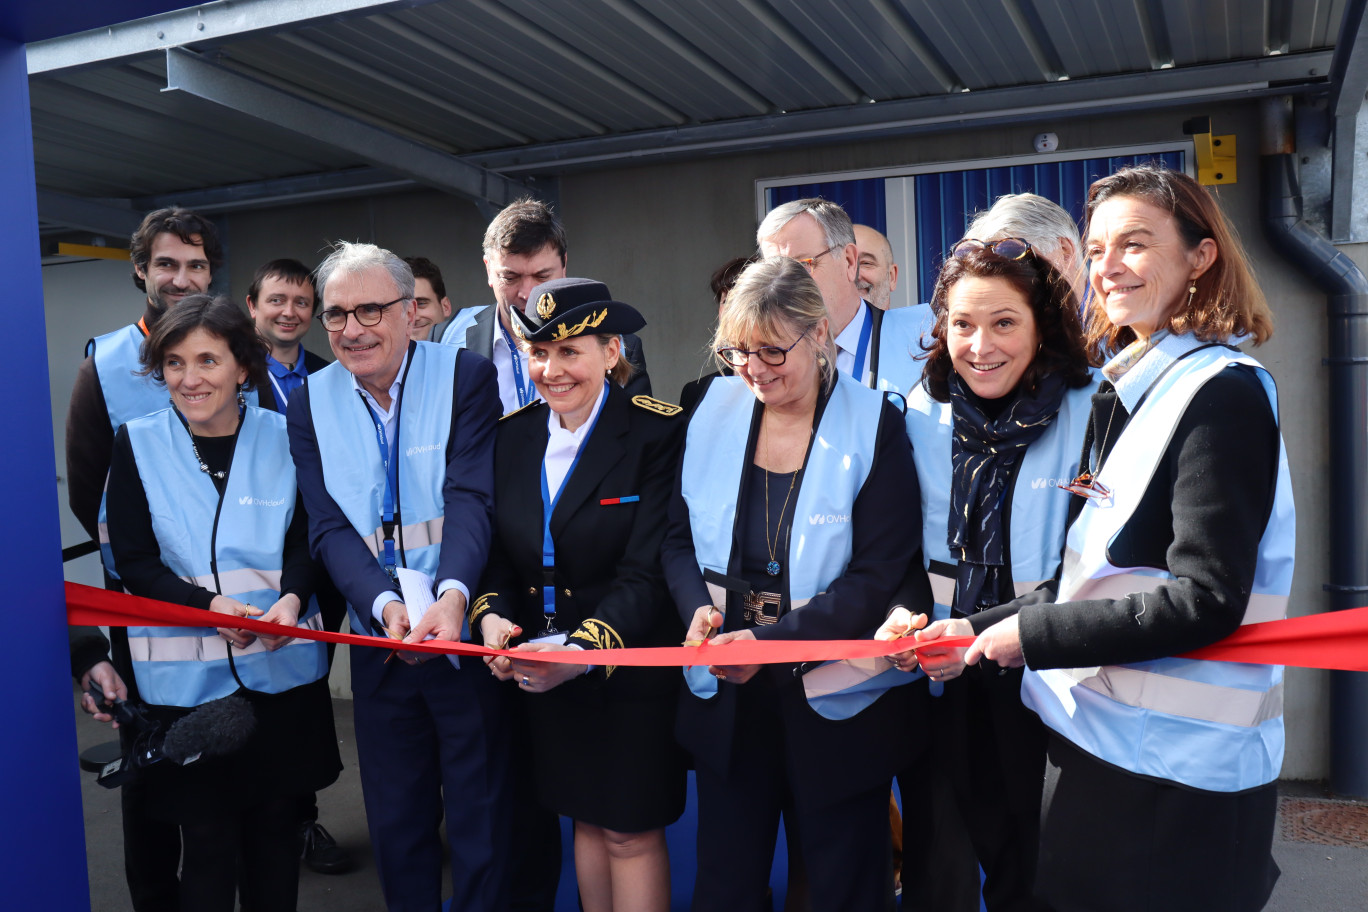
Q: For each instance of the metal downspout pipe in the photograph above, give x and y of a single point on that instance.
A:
(1346, 289)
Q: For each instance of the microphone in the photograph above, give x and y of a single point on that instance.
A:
(214, 729)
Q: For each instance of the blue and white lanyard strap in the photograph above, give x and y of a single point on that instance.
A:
(863, 348)
(282, 397)
(548, 543)
(520, 383)
(388, 460)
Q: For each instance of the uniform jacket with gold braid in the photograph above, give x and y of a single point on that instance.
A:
(610, 590)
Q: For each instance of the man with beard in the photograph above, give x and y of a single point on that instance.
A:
(174, 254)
(878, 274)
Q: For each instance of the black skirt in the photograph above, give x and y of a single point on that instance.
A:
(1126, 843)
(604, 751)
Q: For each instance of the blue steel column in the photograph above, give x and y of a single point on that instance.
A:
(43, 864)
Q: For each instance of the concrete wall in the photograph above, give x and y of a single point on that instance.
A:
(655, 233)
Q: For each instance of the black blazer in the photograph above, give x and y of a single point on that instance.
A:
(479, 337)
(831, 760)
(609, 586)
(468, 500)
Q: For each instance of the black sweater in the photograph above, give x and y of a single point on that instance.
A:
(1200, 519)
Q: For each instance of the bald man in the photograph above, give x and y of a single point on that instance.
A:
(877, 278)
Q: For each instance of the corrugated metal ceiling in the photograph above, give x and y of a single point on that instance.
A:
(466, 76)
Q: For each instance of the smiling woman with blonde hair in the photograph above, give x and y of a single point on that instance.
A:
(780, 528)
(582, 480)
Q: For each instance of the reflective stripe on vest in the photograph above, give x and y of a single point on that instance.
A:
(820, 544)
(187, 666)
(127, 395)
(1039, 508)
(354, 475)
(900, 336)
(1210, 725)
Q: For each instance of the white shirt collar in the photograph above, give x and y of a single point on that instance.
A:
(394, 390)
(849, 338)
(563, 445)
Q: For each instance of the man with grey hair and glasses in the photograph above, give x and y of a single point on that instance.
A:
(1048, 228)
(875, 347)
(394, 448)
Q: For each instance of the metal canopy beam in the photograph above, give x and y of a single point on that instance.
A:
(282, 191)
(1284, 74)
(1348, 84)
(187, 72)
(209, 23)
(87, 215)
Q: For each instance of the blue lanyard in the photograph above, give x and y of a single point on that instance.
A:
(519, 382)
(863, 348)
(549, 507)
(391, 464)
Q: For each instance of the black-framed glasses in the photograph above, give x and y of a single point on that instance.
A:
(772, 355)
(334, 319)
(810, 263)
(1012, 248)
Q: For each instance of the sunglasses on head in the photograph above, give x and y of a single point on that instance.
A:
(1007, 248)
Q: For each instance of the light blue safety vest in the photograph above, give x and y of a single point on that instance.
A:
(820, 546)
(127, 395)
(1210, 725)
(1040, 509)
(900, 337)
(352, 470)
(455, 332)
(235, 550)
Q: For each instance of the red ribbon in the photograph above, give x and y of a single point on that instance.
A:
(1337, 640)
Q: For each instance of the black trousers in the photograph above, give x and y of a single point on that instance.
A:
(940, 870)
(250, 850)
(152, 850)
(432, 741)
(1113, 840)
(845, 845)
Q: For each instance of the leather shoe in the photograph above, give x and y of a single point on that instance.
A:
(321, 852)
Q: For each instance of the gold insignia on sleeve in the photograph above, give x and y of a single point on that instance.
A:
(668, 409)
(480, 606)
(594, 634)
(546, 306)
(589, 322)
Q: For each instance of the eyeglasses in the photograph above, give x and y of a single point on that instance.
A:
(334, 319)
(810, 263)
(772, 355)
(1007, 248)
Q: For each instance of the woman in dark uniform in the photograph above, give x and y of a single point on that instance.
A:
(787, 523)
(581, 482)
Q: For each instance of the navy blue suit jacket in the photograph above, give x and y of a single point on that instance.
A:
(468, 496)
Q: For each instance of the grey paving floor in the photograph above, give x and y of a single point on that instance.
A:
(1315, 878)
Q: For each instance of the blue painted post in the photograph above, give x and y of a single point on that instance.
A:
(43, 863)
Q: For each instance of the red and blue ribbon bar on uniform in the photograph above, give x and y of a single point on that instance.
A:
(609, 501)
